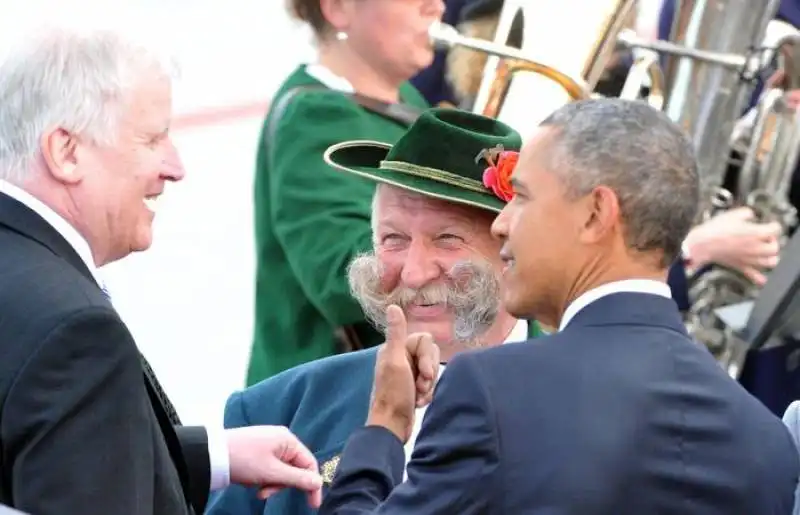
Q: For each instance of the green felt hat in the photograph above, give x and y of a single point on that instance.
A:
(438, 156)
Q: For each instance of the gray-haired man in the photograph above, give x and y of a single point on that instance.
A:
(84, 427)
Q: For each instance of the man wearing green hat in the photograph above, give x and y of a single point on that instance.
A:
(440, 187)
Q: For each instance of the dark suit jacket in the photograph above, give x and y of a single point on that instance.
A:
(322, 402)
(618, 414)
(81, 429)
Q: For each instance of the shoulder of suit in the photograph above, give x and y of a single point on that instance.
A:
(324, 381)
(489, 357)
(36, 277)
(40, 298)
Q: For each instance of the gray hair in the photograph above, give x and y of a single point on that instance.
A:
(639, 153)
(73, 77)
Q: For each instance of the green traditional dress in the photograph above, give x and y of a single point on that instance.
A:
(310, 221)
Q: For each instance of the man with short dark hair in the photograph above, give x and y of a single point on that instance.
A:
(619, 412)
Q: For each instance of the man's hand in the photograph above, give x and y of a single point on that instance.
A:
(793, 98)
(735, 240)
(780, 80)
(406, 370)
(272, 458)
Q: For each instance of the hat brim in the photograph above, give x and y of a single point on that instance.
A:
(363, 158)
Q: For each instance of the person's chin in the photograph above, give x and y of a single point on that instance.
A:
(513, 304)
(422, 59)
(144, 239)
(441, 329)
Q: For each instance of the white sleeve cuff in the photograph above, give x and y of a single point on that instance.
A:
(219, 458)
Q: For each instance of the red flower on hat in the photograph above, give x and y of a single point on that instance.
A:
(497, 177)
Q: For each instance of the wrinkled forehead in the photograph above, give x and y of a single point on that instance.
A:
(401, 208)
(147, 105)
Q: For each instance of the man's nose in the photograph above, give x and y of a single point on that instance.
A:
(173, 169)
(499, 227)
(420, 267)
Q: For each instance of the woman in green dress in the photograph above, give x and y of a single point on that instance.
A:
(310, 221)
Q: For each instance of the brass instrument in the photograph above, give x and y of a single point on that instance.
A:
(769, 145)
(772, 153)
(716, 50)
(522, 86)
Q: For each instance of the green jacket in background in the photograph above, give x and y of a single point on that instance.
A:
(310, 222)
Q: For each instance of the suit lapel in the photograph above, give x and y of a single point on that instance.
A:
(356, 411)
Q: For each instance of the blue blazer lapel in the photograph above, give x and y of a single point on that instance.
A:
(352, 410)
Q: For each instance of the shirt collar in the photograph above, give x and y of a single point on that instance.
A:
(329, 79)
(519, 333)
(629, 286)
(67, 231)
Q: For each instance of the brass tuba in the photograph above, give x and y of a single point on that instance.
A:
(770, 145)
(726, 45)
(717, 50)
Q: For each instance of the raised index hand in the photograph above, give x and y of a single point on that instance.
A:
(405, 373)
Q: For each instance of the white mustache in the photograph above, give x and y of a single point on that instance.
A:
(470, 289)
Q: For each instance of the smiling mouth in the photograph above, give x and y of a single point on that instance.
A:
(507, 260)
(151, 203)
(426, 311)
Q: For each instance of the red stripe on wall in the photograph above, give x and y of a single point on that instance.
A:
(219, 115)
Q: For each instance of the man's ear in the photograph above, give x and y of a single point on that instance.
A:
(337, 13)
(59, 149)
(601, 212)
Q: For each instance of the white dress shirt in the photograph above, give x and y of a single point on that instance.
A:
(518, 334)
(628, 286)
(217, 441)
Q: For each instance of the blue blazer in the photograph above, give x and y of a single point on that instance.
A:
(620, 413)
(322, 402)
(772, 375)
